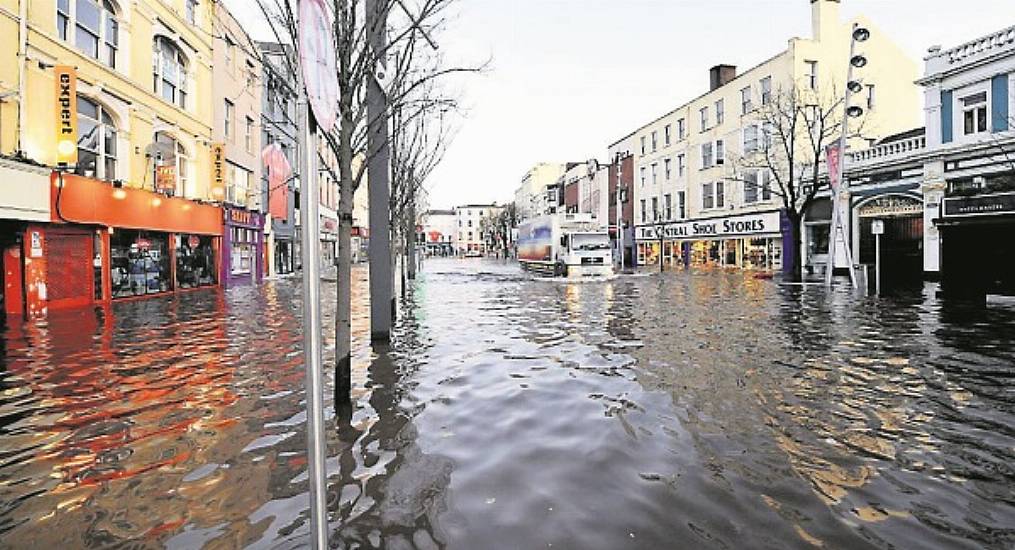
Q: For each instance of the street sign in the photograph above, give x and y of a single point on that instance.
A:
(878, 227)
(317, 58)
(66, 115)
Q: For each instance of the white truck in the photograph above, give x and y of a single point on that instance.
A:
(565, 245)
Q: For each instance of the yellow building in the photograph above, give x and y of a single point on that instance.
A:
(144, 79)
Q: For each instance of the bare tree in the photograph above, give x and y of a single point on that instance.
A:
(793, 129)
(408, 69)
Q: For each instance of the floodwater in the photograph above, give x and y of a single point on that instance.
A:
(703, 409)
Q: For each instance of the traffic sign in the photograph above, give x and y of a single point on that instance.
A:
(317, 59)
(878, 227)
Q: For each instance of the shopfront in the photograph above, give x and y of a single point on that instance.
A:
(105, 244)
(901, 242)
(976, 249)
(746, 241)
(243, 248)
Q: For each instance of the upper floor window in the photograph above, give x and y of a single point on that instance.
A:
(171, 165)
(191, 8)
(681, 164)
(745, 100)
(720, 112)
(667, 165)
(812, 74)
(230, 114)
(704, 118)
(248, 137)
(169, 72)
(643, 145)
(870, 97)
(706, 155)
(681, 129)
(96, 141)
(655, 165)
(974, 113)
(91, 25)
(654, 141)
(766, 90)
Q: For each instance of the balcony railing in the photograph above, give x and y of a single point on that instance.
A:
(989, 44)
(888, 151)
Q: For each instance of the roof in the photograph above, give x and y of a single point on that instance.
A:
(440, 213)
(915, 132)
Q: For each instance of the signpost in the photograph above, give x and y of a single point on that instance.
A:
(878, 229)
(318, 87)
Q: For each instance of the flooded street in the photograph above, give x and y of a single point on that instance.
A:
(702, 409)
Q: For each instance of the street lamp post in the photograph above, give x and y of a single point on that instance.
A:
(856, 61)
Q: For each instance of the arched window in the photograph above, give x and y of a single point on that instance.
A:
(91, 25)
(96, 141)
(171, 165)
(169, 72)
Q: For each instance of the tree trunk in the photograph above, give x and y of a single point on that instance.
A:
(410, 235)
(795, 269)
(343, 298)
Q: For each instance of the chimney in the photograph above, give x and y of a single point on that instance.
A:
(720, 75)
(824, 18)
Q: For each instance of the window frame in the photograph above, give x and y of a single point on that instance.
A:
(103, 128)
(181, 85)
(68, 27)
(720, 111)
(766, 90)
(667, 135)
(745, 101)
(703, 114)
(812, 73)
(979, 111)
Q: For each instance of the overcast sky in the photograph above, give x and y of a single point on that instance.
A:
(569, 77)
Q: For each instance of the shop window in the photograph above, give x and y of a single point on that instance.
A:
(139, 263)
(96, 141)
(91, 26)
(242, 251)
(195, 261)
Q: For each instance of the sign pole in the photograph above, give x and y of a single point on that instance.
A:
(877, 262)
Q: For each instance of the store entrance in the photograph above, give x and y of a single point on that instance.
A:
(901, 250)
(975, 261)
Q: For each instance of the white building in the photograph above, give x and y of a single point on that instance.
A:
(687, 188)
(471, 229)
(533, 195)
(945, 192)
(440, 228)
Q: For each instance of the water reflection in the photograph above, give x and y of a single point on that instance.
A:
(697, 409)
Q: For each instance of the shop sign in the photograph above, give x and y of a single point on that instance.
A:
(36, 248)
(242, 217)
(143, 244)
(747, 224)
(165, 178)
(1001, 203)
(329, 224)
(194, 241)
(66, 115)
(218, 169)
(891, 205)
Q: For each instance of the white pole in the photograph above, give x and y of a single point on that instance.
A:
(877, 262)
(310, 216)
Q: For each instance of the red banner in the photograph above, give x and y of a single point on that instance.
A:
(279, 172)
(833, 156)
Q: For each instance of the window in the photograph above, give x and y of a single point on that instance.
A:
(667, 168)
(139, 263)
(681, 164)
(681, 129)
(706, 155)
(654, 141)
(96, 141)
(655, 208)
(91, 25)
(812, 74)
(766, 90)
(170, 165)
(655, 165)
(750, 187)
(229, 119)
(643, 145)
(720, 112)
(704, 118)
(870, 97)
(745, 100)
(974, 113)
(248, 137)
(643, 217)
(720, 198)
(243, 249)
(238, 184)
(191, 11)
(169, 72)
(720, 152)
(707, 196)
(667, 206)
(228, 50)
(681, 205)
(750, 139)
(766, 185)
(642, 171)
(666, 135)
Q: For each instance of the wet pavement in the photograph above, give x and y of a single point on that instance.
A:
(703, 409)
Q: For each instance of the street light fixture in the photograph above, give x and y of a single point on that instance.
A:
(854, 111)
(855, 86)
(861, 34)
(859, 61)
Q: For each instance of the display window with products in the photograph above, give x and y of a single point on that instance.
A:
(244, 243)
(139, 263)
(195, 261)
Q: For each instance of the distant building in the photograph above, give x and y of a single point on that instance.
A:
(538, 190)
(472, 232)
(439, 232)
(278, 128)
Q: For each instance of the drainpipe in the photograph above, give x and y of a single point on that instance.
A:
(22, 67)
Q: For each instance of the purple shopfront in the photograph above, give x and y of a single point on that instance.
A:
(242, 246)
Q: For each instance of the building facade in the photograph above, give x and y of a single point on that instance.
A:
(472, 237)
(694, 203)
(440, 228)
(133, 82)
(236, 102)
(278, 130)
(537, 192)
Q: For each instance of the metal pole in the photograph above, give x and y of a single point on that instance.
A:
(620, 218)
(837, 225)
(877, 262)
(309, 206)
(382, 301)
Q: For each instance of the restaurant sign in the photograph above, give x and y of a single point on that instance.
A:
(218, 170)
(746, 224)
(891, 205)
(1000, 203)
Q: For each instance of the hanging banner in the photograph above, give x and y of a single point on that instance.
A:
(833, 156)
(218, 170)
(279, 171)
(66, 115)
